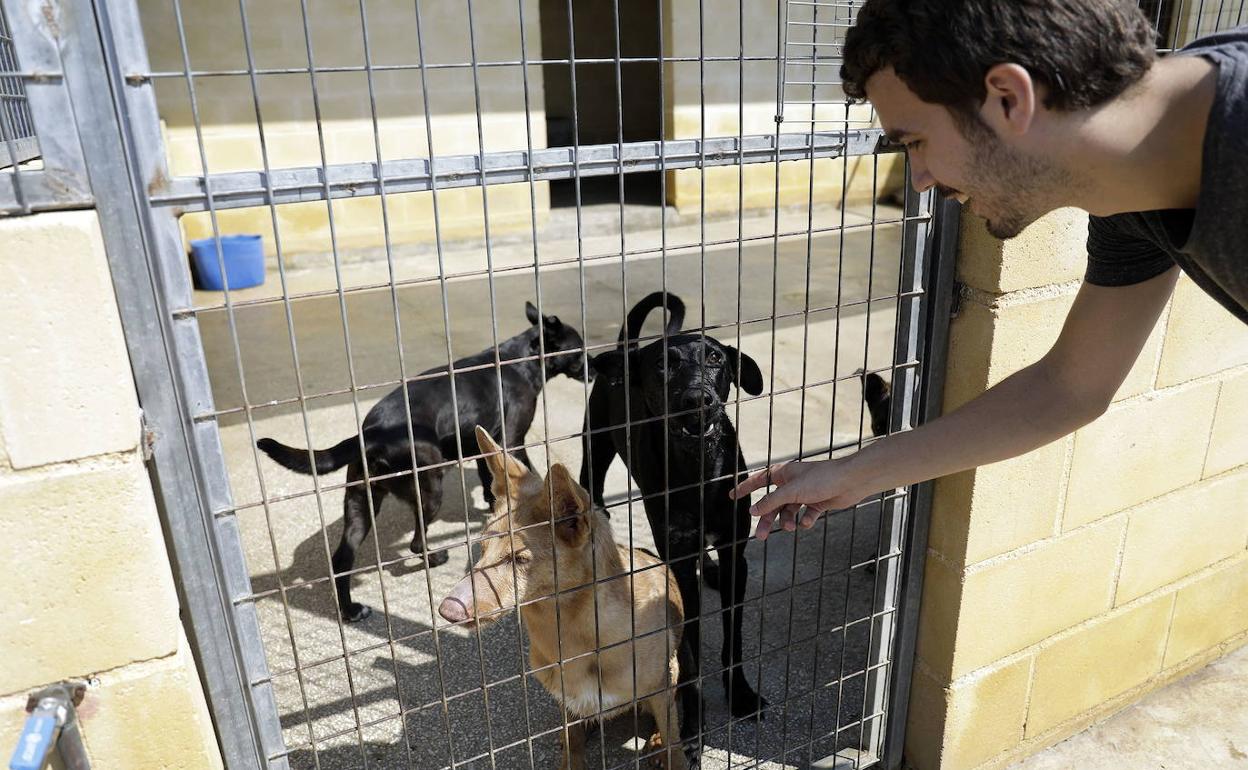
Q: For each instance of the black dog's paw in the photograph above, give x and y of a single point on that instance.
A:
(356, 612)
(746, 703)
(437, 559)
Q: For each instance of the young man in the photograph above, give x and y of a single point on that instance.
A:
(1018, 108)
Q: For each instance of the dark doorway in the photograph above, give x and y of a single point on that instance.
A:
(596, 117)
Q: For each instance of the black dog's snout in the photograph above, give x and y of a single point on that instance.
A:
(697, 399)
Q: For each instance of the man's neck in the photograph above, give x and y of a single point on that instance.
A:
(1143, 150)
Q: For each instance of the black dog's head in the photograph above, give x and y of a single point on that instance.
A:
(693, 382)
(564, 346)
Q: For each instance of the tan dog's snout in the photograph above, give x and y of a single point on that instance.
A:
(458, 605)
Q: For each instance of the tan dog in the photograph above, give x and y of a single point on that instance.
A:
(540, 530)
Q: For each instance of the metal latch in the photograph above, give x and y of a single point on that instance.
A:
(52, 726)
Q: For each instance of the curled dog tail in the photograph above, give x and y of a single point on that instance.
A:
(637, 316)
(297, 460)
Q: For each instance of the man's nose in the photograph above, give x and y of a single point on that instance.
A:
(920, 177)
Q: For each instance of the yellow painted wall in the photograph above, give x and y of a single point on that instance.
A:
(87, 584)
(231, 133)
(1064, 584)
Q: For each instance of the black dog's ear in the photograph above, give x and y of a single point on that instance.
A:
(531, 313)
(552, 322)
(611, 365)
(751, 377)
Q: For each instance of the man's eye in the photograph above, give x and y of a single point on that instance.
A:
(913, 145)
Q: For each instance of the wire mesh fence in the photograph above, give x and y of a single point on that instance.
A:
(466, 211)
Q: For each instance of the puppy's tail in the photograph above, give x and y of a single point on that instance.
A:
(301, 460)
(637, 316)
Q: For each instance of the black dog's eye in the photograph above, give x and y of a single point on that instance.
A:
(714, 356)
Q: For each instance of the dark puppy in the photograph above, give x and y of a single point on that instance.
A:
(434, 428)
(879, 397)
(687, 392)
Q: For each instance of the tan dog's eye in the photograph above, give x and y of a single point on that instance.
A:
(522, 558)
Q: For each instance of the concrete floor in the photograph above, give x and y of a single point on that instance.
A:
(1196, 723)
(795, 640)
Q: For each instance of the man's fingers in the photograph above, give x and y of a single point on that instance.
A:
(773, 502)
(788, 517)
(758, 480)
(764, 526)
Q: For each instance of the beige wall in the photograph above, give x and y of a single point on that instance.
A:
(726, 87)
(87, 584)
(1064, 584)
(227, 112)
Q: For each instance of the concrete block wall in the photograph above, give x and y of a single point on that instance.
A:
(232, 141)
(1064, 584)
(87, 583)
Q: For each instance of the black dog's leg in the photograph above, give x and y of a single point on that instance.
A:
(688, 683)
(356, 524)
(690, 704)
(732, 566)
(425, 512)
(597, 455)
(487, 482)
(522, 455)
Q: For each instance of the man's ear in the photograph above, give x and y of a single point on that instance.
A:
(1011, 100)
(569, 507)
(750, 378)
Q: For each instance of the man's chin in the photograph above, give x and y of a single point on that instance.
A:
(1005, 229)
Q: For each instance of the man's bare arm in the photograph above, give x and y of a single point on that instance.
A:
(1069, 387)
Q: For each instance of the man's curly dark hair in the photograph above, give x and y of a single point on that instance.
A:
(1083, 52)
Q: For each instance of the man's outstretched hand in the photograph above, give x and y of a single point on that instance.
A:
(820, 485)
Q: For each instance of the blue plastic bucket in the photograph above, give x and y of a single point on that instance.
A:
(243, 256)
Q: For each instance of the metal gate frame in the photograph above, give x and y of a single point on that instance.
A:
(101, 147)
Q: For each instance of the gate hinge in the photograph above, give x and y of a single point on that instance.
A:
(147, 437)
(955, 303)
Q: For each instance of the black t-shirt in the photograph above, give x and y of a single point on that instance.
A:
(1210, 242)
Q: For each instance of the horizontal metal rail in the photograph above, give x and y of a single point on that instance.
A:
(242, 189)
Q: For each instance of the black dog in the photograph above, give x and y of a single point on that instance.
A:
(878, 395)
(700, 443)
(434, 428)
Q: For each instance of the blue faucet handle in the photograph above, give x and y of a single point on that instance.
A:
(36, 742)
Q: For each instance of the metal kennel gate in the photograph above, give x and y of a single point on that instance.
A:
(93, 94)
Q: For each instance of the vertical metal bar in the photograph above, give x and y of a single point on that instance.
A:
(122, 142)
(937, 304)
(801, 420)
(220, 498)
(446, 318)
(628, 439)
(407, 407)
(294, 351)
(771, 383)
(537, 287)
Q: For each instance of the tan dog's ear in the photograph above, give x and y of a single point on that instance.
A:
(508, 473)
(569, 506)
